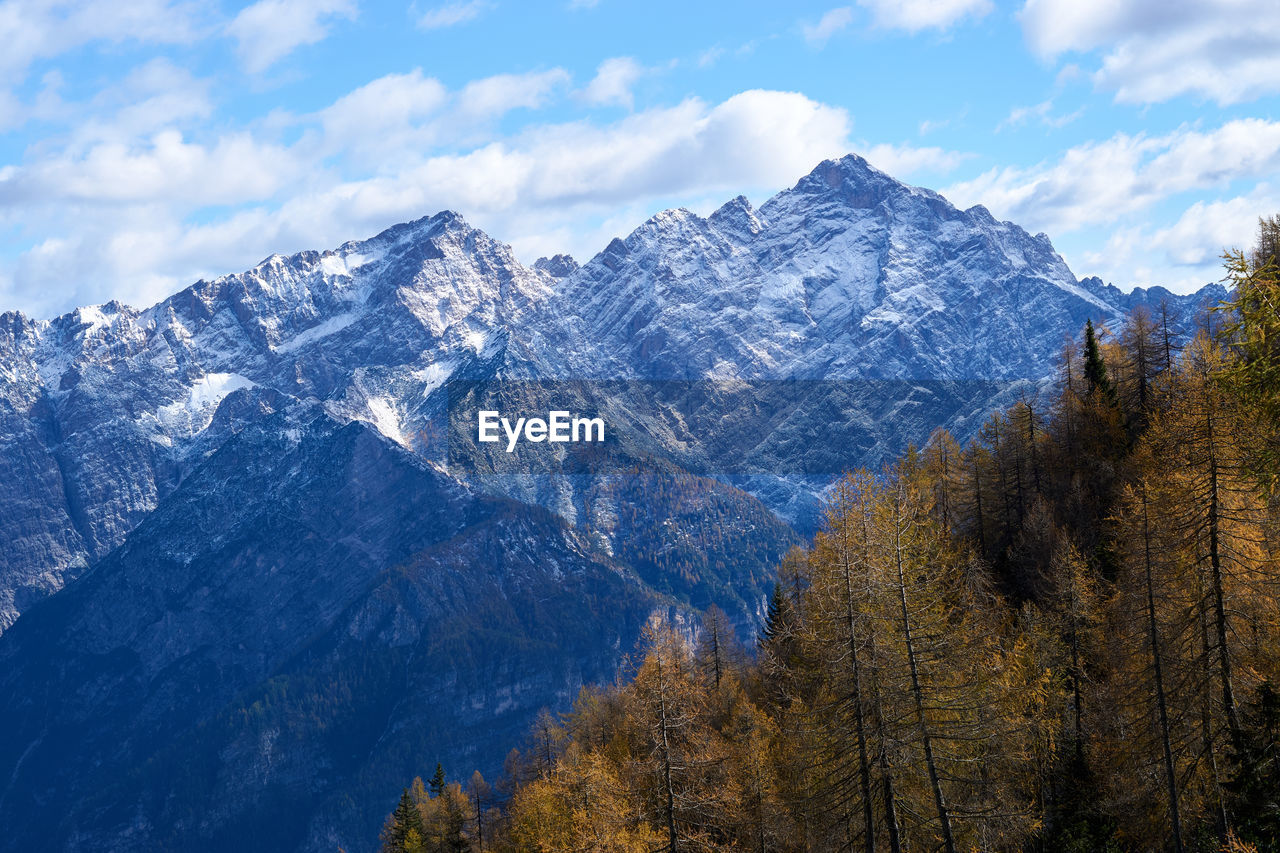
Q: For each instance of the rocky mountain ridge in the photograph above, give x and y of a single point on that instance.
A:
(284, 585)
(849, 276)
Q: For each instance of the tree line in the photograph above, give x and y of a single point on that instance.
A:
(1061, 636)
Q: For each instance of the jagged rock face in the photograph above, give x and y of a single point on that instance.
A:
(105, 408)
(850, 275)
(284, 598)
(557, 266)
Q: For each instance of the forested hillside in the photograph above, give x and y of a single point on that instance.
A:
(1064, 636)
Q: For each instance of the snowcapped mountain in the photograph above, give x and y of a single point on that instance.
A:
(849, 275)
(283, 586)
(107, 408)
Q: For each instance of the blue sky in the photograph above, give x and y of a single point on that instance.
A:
(145, 145)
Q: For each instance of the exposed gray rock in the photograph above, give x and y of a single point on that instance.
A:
(288, 589)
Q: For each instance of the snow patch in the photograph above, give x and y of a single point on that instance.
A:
(195, 413)
(433, 376)
(318, 331)
(385, 419)
(356, 260)
(334, 265)
(93, 317)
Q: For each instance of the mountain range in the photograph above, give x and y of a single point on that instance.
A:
(257, 576)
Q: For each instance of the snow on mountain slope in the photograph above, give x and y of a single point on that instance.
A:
(850, 276)
(101, 406)
(284, 583)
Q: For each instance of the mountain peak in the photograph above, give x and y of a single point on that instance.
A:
(672, 217)
(851, 180)
(556, 266)
(851, 168)
(980, 213)
(443, 222)
(738, 218)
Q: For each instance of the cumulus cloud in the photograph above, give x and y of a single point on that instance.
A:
(152, 97)
(401, 116)
(913, 16)
(828, 25)
(1053, 27)
(1099, 182)
(38, 29)
(906, 160)
(164, 168)
(1227, 51)
(270, 30)
(388, 113)
(1186, 254)
(1204, 229)
(753, 139)
(501, 93)
(613, 82)
(452, 14)
(549, 187)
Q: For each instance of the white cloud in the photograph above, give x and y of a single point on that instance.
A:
(613, 81)
(152, 97)
(46, 105)
(399, 117)
(916, 15)
(1099, 182)
(1042, 113)
(550, 187)
(31, 30)
(905, 160)
(1153, 50)
(269, 30)
(384, 115)
(452, 14)
(828, 25)
(494, 96)
(1057, 26)
(756, 138)
(1186, 254)
(130, 149)
(1206, 228)
(710, 56)
(1069, 73)
(165, 168)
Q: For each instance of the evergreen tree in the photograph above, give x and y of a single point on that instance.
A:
(437, 781)
(403, 831)
(1095, 369)
(778, 619)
